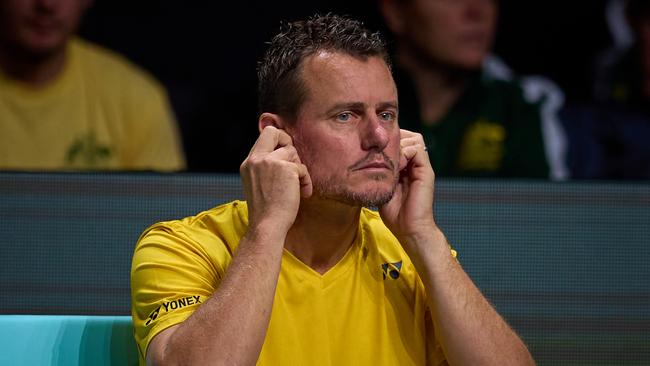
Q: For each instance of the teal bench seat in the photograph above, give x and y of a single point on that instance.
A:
(66, 340)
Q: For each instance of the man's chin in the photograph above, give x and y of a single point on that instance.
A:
(375, 197)
(372, 190)
(43, 45)
(377, 200)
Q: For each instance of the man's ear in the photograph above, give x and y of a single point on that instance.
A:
(270, 119)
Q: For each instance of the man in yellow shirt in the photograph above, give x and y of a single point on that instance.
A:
(66, 104)
(301, 273)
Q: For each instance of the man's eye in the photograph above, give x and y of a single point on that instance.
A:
(387, 116)
(344, 117)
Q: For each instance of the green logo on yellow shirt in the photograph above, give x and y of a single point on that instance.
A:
(482, 147)
(88, 152)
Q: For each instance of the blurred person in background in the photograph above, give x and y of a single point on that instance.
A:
(477, 118)
(609, 136)
(67, 104)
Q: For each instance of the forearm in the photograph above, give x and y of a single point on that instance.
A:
(469, 329)
(230, 327)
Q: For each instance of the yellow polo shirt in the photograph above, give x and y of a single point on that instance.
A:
(369, 309)
(100, 113)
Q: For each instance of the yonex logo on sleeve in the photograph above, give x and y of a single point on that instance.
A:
(153, 316)
(170, 306)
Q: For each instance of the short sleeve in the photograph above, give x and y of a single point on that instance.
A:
(171, 275)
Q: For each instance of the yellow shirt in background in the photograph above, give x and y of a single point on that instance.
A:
(369, 309)
(100, 113)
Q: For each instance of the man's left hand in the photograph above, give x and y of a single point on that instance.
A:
(409, 214)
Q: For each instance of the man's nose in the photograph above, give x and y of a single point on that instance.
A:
(373, 134)
(46, 6)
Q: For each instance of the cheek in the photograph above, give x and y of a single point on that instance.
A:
(394, 141)
(72, 17)
(323, 158)
(306, 148)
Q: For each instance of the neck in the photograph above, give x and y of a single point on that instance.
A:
(438, 86)
(323, 232)
(33, 70)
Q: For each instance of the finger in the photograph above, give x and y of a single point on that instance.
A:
(406, 133)
(306, 187)
(286, 153)
(270, 139)
(410, 151)
(414, 145)
(415, 155)
(408, 138)
(411, 143)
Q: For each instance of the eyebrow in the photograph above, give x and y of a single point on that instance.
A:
(388, 105)
(356, 106)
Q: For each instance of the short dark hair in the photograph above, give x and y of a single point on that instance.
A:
(280, 89)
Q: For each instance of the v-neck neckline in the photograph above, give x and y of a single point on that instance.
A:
(339, 269)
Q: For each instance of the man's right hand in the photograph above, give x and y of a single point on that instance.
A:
(274, 180)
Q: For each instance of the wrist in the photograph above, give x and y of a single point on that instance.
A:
(266, 234)
(422, 235)
(426, 246)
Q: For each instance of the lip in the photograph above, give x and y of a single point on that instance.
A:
(374, 162)
(43, 24)
(380, 165)
(475, 37)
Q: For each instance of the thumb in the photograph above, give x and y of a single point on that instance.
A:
(306, 187)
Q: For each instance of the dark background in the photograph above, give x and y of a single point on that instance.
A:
(205, 53)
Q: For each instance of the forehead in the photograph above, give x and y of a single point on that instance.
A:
(330, 75)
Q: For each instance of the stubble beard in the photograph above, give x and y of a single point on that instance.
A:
(335, 187)
(332, 188)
